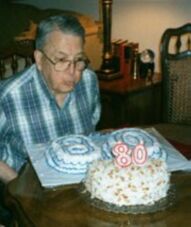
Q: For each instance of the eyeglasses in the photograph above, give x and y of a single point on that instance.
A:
(63, 64)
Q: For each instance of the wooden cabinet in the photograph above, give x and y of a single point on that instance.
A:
(130, 102)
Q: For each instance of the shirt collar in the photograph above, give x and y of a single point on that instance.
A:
(43, 85)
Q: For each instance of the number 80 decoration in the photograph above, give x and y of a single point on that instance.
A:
(124, 156)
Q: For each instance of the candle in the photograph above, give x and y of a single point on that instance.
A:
(124, 156)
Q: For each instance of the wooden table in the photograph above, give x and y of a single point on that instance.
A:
(126, 101)
(36, 206)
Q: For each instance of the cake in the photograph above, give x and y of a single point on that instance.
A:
(132, 137)
(72, 154)
(123, 183)
(134, 185)
(125, 167)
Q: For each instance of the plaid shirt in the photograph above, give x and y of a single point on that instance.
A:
(29, 113)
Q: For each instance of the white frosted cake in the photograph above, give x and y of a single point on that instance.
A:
(134, 179)
(133, 185)
(72, 154)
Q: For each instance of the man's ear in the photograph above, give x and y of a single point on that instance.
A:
(38, 59)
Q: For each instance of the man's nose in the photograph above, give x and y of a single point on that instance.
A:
(71, 67)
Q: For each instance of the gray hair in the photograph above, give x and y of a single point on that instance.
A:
(65, 23)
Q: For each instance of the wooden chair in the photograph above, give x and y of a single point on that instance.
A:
(175, 52)
(176, 72)
(16, 57)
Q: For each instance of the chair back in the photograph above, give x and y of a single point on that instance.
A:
(16, 57)
(175, 50)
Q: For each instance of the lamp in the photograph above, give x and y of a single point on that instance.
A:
(107, 70)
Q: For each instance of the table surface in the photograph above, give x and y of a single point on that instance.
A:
(127, 84)
(64, 206)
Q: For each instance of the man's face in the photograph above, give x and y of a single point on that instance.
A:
(60, 48)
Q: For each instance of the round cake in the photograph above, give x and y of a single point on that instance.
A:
(72, 154)
(133, 185)
(133, 172)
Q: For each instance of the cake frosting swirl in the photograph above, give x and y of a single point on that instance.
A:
(132, 137)
(72, 154)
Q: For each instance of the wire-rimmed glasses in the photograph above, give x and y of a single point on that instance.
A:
(80, 63)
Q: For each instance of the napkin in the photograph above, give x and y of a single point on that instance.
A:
(175, 160)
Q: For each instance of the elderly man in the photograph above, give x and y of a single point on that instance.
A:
(57, 95)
